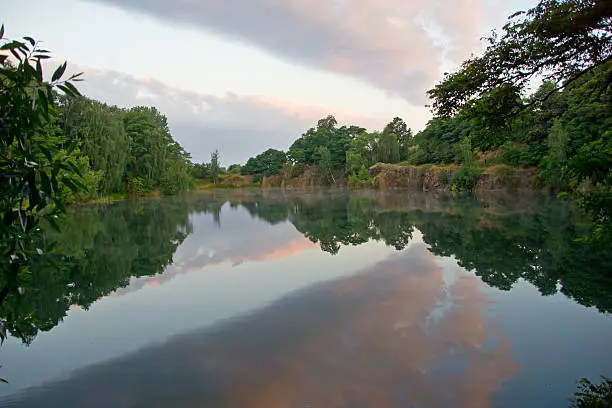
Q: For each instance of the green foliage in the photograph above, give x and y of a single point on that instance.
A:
(387, 148)
(136, 187)
(435, 143)
(403, 134)
(200, 171)
(267, 163)
(558, 39)
(512, 155)
(591, 395)
(102, 136)
(234, 169)
(361, 179)
(215, 167)
(466, 178)
(336, 140)
(361, 152)
(325, 165)
(561, 128)
(37, 164)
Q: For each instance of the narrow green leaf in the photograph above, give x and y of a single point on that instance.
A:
(71, 147)
(65, 89)
(59, 72)
(70, 184)
(47, 153)
(73, 88)
(30, 40)
(24, 50)
(2, 32)
(12, 45)
(53, 224)
(81, 185)
(75, 169)
(15, 54)
(46, 183)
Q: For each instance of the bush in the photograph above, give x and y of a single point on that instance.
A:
(361, 179)
(511, 154)
(168, 187)
(136, 187)
(466, 178)
(443, 177)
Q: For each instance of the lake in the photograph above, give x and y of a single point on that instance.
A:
(269, 299)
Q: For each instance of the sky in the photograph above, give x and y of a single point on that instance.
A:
(242, 76)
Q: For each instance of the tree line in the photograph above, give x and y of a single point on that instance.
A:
(486, 114)
(58, 147)
(122, 150)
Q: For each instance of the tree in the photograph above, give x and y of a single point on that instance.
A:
(403, 134)
(325, 164)
(215, 167)
(361, 152)
(388, 148)
(305, 150)
(200, 171)
(33, 169)
(267, 163)
(560, 40)
(100, 130)
(591, 395)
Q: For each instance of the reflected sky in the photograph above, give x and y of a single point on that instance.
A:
(251, 313)
(394, 334)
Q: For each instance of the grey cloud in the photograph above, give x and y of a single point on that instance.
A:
(381, 42)
(239, 126)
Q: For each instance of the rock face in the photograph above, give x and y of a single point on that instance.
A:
(422, 178)
(425, 178)
(310, 178)
(503, 177)
(271, 181)
(439, 178)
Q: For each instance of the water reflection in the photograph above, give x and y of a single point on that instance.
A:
(411, 330)
(395, 335)
(502, 239)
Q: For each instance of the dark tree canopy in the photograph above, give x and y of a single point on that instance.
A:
(267, 163)
(559, 40)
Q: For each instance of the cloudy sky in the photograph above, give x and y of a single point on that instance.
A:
(245, 75)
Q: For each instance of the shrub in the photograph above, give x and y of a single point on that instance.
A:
(361, 179)
(466, 178)
(167, 186)
(136, 187)
(511, 154)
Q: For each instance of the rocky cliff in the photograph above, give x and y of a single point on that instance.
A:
(439, 178)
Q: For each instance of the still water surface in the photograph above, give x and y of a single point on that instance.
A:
(271, 299)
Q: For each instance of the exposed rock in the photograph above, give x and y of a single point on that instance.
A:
(439, 178)
(503, 177)
(425, 178)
